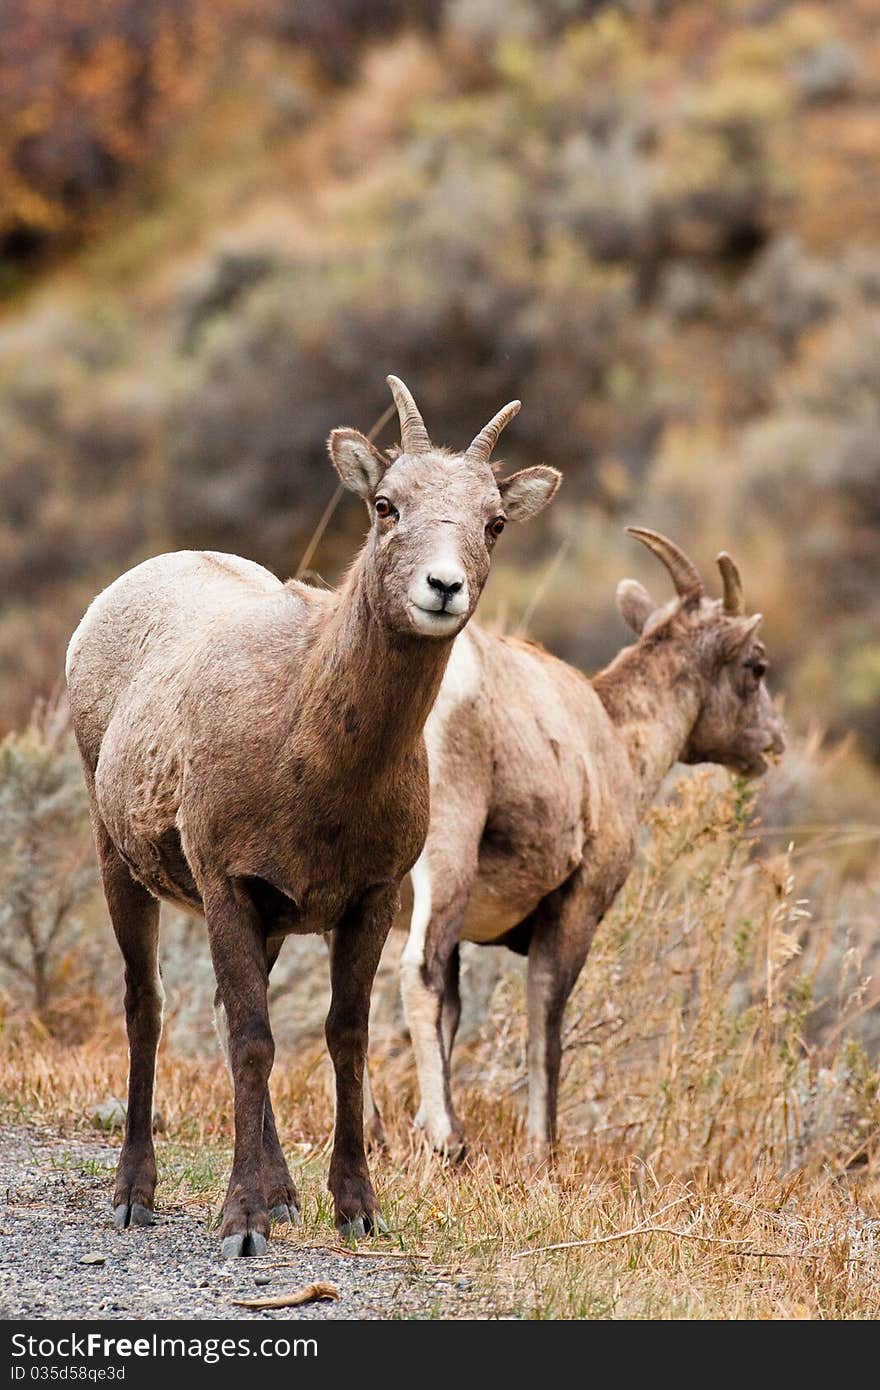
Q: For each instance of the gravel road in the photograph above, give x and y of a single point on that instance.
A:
(55, 1212)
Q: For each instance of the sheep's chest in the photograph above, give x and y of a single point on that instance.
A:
(325, 852)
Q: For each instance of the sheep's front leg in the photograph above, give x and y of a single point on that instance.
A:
(355, 948)
(563, 928)
(429, 986)
(238, 951)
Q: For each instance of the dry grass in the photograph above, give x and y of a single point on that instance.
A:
(720, 1157)
(639, 1241)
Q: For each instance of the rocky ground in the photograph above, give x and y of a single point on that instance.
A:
(61, 1257)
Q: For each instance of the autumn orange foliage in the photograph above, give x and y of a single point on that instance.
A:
(87, 90)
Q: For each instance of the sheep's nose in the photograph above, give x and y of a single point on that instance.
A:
(445, 585)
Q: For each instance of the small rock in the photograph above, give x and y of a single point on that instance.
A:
(92, 1258)
(262, 1280)
(826, 72)
(109, 1115)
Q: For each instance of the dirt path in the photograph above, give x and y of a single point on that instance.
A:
(55, 1211)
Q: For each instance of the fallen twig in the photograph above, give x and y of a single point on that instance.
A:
(310, 1293)
(670, 1231)
(357, 1254)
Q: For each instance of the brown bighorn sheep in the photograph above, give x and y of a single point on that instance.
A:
(253, 750)
(539, 781)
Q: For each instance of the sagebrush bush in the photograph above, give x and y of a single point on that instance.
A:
(48, 877)
(685, 1038)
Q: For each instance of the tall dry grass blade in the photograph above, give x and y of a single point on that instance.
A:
(327, 514)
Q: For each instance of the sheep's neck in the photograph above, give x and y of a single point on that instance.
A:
(652, 693)
(369, 690)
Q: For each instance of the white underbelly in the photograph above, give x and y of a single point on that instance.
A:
(487, 917)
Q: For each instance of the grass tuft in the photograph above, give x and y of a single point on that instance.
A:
(720, 1117)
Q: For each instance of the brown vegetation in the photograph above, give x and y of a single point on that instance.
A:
(719, 1159)
(47, 876)
(629, 221)
(658, 226)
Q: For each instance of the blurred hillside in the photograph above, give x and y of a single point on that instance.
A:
(657, 223)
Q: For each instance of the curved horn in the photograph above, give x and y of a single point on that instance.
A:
(413, 435)
(684, 573)
(480, 448)
(734, 601)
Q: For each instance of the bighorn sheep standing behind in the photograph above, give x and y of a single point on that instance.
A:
(539, 781)
(253, 750)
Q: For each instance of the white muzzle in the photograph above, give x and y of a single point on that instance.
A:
(439, 599)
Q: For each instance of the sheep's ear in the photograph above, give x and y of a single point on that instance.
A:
(358, 462)
(634, 604)
(527, 492)
(736, 634)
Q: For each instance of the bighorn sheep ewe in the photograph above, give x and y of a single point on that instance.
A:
(539, 781)
(253, 751)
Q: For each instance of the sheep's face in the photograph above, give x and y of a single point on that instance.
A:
(738, 724)
(435, 519)
(719, 655)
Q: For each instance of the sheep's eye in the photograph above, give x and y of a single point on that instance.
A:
(384, 508)
(758, 669)
(496, 527)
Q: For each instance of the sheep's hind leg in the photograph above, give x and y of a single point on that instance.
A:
(451, 1014)
(431, 1003)
(281, 1194)
(135, 916)
(278, 1185)
(238, 951)
(563, 926)
(374, 1130)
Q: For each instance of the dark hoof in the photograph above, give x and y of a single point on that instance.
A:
(135, 1215)
(353, 1230)
(364, 1225)
(282, 1212)
(247, 1243)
